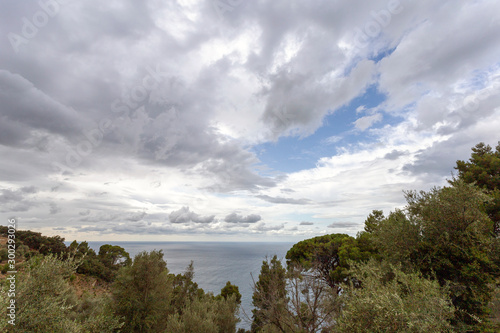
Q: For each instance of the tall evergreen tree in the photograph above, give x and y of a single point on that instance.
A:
(483, 169)
(143, 293)
(269, 297)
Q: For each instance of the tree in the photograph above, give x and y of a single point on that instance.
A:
(396, 238)
(206, 314)
(229, 290)
(291, 300)
(142, 293)
(312, 303)
(42, 296)
(373, 220)
(269, 296)
(483, 170)
(46, 302)
(453, 246)
(91, 264)
(327, 257)
(390, 300)
(35, 241)
(184, 289)
(114, 256)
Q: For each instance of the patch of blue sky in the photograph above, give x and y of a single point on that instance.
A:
(479, 78)
(381, 54)
(375, 57)
(292, 153)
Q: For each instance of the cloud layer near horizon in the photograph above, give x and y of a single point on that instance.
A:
(126, 119)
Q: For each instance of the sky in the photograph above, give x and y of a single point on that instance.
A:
(236, 120)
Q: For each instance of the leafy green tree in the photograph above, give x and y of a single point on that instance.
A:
(206, 314)
(270, 297)
(43, 296)
(446, 235)
(91, 264)
(35, 241)
(95, 313)
(142, 293)
(81, 250)
(292, 300)
(483, 170)
(46, 302)
(373, 220)
(328, 256)
(184, 289)
(114, 256)
(391, 300)
(229, 290)
(397, 238)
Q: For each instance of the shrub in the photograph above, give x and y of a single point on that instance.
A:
(393, 301)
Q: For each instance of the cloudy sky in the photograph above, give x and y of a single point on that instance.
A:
(235, 119)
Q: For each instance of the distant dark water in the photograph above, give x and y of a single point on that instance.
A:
(215, 263)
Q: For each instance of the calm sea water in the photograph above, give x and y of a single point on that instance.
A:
(214, 263)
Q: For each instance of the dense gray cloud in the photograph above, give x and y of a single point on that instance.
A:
(20, 200)
(30, 109)
(184, 215)
(338, 225)
(395, 154)
(16, 195)
(262, 227)
(235, 218)
(306, 223)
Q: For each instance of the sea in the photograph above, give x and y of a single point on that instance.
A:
(215, 263)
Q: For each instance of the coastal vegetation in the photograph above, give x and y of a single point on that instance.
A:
(432, 266)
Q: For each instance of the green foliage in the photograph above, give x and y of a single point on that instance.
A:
(114, 256)
(4, 254)
(205, 315)
(184, 289)
(81, 250)
(46, 302)
(269, 297)
(397, 238)
(229, 290)
(23, 251)
(446, 235)
(393, 301)
(373, 220)
(291, 300)
(35, 241)
(454, 246)
(494, 315)
(328, 256)
(4, 302)
(105, 265)
(43, 294)
(142, 293)
(483, 170)
(96, 314)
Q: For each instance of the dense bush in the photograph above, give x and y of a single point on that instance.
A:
(390, 300)
(46, 302)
